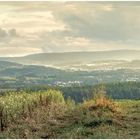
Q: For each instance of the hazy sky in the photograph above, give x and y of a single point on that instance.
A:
(35, 27)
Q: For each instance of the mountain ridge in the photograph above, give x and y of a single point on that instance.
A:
(74, 57)
(70, 52)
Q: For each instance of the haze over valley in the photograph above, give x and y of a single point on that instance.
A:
(71, 68)
(87, 61)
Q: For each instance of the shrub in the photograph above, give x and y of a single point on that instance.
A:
(102, 100)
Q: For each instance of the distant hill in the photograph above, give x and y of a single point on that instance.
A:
(15, 69)
(13, 75)
(8, 64)
(5, 64)
(74, 57)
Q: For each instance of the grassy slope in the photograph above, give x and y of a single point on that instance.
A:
(131, 110)
(100, 123)
(87, 120)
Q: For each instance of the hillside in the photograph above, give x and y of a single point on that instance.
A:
(47, 115)
(15, 69)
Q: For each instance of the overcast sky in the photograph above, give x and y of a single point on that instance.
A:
(36, 27)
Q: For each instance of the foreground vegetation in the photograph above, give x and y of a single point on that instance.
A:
(47, 114)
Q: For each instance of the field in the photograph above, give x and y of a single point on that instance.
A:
(47, 114)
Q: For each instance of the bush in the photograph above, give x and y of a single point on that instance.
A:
(102, 100)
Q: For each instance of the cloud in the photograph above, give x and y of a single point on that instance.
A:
(103, 21)
(12, 32)
(70, 43)
(8, 33)
(28, 17)
(68, 26)
(3, 33)
(18, 51)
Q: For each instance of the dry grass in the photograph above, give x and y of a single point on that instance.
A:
(103, 101)
(95, 118)
(21, 105)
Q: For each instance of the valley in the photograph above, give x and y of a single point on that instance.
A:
(15, 75)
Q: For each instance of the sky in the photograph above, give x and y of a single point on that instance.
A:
(39, 27)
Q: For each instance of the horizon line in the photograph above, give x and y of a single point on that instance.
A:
(68, 52)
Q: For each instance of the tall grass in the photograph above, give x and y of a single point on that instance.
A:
(15, 105)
